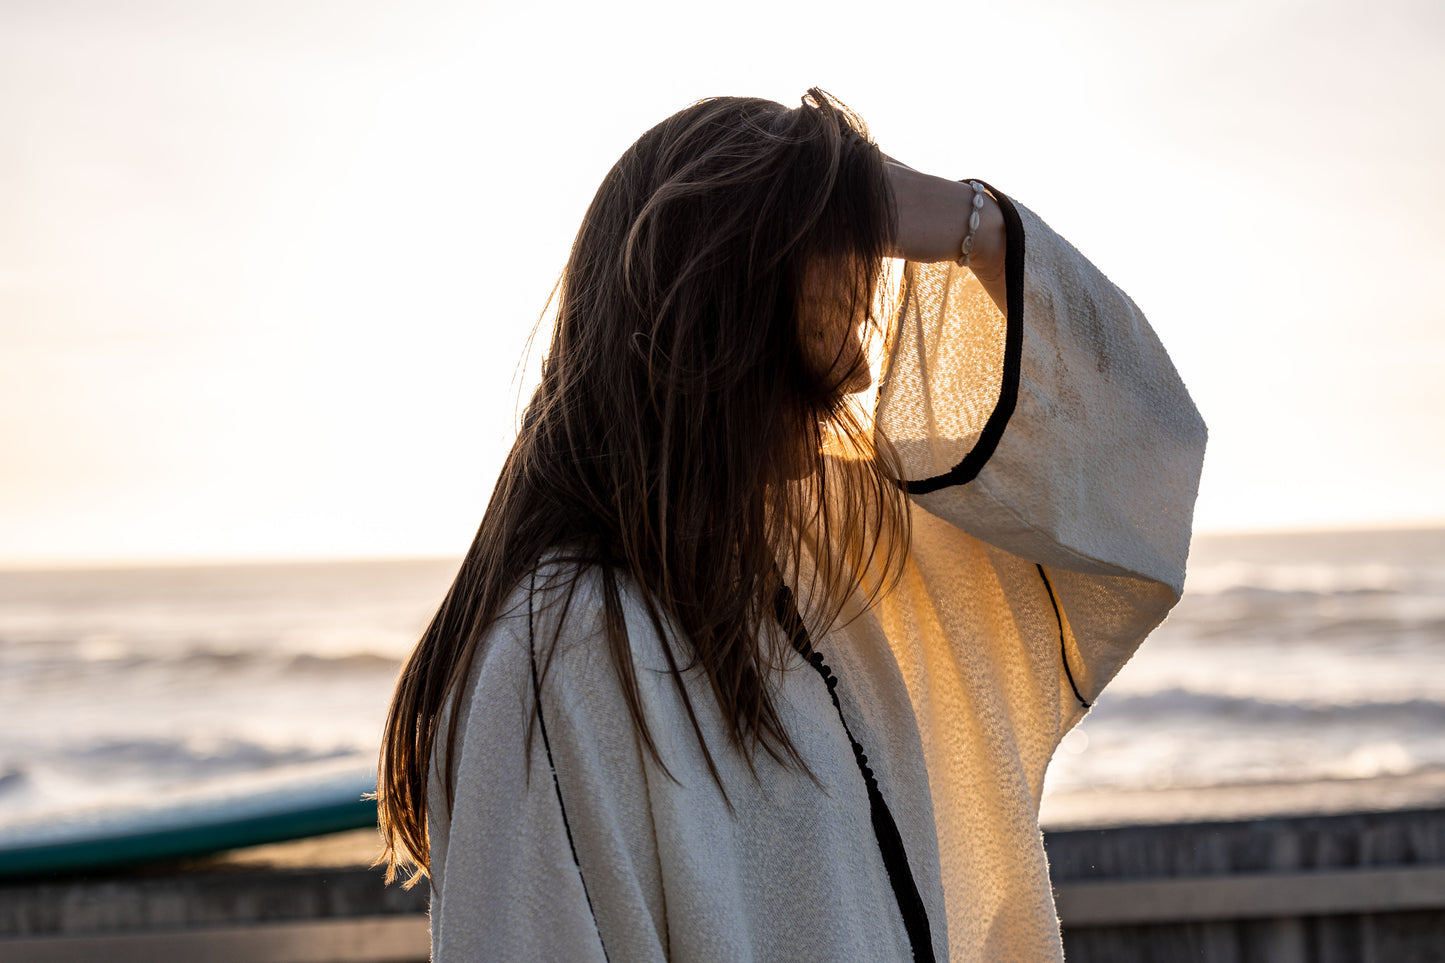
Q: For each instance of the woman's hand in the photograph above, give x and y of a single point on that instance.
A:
(933, 218)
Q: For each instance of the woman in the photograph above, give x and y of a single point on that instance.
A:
(733, 671)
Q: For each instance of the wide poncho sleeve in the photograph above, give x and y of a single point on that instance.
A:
(1053, 455)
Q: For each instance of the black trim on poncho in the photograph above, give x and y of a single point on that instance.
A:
(885, 829)
(967, 469)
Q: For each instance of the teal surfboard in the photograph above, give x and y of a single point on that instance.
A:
(207, 820)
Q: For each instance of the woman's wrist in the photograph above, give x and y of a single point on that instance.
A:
(933, 220)
(987, 258)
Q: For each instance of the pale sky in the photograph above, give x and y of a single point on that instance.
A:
(267, 268)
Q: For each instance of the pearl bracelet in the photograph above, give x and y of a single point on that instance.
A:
(973, 219)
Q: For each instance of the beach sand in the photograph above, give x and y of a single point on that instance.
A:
(1262, 800)
(1060, 812)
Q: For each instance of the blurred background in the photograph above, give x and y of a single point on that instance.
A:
(267, 271)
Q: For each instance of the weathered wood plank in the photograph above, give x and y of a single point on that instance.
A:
(1252, 896)
(376, 939)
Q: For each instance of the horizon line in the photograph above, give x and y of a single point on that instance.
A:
(115, 562)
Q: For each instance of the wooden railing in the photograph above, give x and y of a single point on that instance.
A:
(1351, 887)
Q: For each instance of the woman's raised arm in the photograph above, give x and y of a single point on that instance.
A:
(933, 217)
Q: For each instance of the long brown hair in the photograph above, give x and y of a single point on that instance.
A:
(677, 438)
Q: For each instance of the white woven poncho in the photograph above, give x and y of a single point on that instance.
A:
(1055, 458)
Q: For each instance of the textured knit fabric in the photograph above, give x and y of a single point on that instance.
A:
(1031, 578)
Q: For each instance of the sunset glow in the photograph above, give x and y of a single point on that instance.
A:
(268, 270)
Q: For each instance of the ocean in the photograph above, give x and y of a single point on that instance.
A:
(1292, 657)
